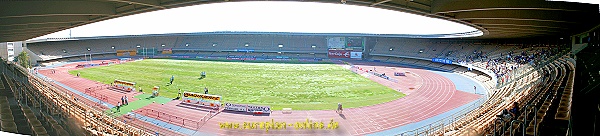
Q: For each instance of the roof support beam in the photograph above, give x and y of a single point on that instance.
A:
(492, 28)
(151, 3)
(518, 19)
(34, 26)
(484, 22)
(452, 6)
(377, 3)
(42, 20)
(553, 16)
(16, 9)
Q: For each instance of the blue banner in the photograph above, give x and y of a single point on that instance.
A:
(440, 60)
(244, 50)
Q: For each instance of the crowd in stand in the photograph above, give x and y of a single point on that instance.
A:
(510, 61)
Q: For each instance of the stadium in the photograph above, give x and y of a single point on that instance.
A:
(528, 69)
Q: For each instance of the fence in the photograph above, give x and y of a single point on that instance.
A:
(441, 124)
(92, 92)
(193, 124)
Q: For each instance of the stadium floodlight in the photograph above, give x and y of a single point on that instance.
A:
(138, 46)
(391, 49)
(280, 45)
(113, 47)
(187, 44)
(214, 44)
(163, 45)
(420, 51)
(64, 51)
(313, 46)
(89, 49)
(246, 45)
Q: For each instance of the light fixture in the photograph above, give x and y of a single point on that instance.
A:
(187, 44)
(420, 51)
(391, 49)
(113, 47)
(138, 46)
(313, 46)
(89, 49)
(280, 45)
(246, 45)
(214, 44)
(163, 45)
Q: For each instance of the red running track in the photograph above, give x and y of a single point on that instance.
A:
(80, 84)
(433, 95)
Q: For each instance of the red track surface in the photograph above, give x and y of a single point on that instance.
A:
(62, 75)
(433, 95)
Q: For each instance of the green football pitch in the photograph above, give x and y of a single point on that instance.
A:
(279, 85)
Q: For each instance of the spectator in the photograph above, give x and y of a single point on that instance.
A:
(123, 99)
(506, 115)
(514, 111)
(126, 103)
(205, 90)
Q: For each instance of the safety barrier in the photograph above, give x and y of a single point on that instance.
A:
(193, 124)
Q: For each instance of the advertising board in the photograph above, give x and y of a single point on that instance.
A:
(247, 108)
(338, 54)
(356, 55)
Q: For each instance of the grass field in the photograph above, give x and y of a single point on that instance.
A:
(279, 85)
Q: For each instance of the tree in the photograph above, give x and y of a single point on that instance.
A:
(23, 59)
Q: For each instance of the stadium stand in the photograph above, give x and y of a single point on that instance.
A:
(537, 102)
(202, 45)
(55, 103)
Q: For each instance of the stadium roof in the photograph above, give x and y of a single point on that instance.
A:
(22, 20)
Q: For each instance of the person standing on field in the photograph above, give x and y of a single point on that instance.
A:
(119, 107)
(172, 78)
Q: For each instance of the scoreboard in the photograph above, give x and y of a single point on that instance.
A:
(346, 47)
(356, 43)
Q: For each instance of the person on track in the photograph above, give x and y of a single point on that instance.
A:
(339, 109)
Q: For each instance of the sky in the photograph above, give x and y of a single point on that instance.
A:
(271, 16)
(268, 16)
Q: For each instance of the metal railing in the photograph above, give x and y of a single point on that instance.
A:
(440, 125)
(194, 124)
(523, 71)
(64, 98)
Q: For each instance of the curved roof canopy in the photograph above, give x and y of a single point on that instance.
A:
(22, 20)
